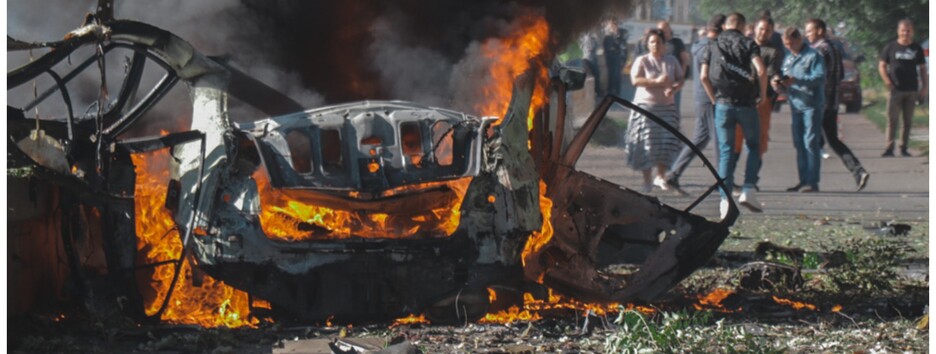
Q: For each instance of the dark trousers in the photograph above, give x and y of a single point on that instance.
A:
(704, 132)
(596, 73)
(830, 128)
(614, 65)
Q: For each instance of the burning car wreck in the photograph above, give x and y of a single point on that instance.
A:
(356, 212)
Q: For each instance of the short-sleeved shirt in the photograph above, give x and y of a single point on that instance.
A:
(738, 46)
(699, 51)
(902, 62)
(776, 40)
(649, 67)
(773, 59)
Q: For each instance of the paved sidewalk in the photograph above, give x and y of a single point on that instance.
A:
(898, 187)
(897, 190)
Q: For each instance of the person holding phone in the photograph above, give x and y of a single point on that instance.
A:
(804, 79)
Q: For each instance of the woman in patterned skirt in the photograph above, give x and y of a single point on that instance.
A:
(657, 77)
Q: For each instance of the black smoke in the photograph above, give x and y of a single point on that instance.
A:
(419, 50)
(323, 52)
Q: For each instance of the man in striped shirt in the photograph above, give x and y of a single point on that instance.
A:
(831, 53)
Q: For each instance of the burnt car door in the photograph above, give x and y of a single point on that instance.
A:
(611, 243)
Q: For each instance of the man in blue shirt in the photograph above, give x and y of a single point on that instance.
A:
(804, 80)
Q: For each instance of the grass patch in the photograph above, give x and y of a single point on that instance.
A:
(869, 266)
(877, 113)
(681, 332)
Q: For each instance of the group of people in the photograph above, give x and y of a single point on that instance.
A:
(609, 41)
(740, 78)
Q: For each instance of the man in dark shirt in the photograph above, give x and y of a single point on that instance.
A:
(614, 42)
(704, 124)
(898, 68)
(832, 56)
(763, 29)
(735, 91)
(776, 39)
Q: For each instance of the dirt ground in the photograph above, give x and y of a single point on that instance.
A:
(869, 302)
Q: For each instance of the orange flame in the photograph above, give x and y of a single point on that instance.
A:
(373, 167)
(411, 319)
(532, 308)
(213, 304)
(713, 301)
(796, 304)
(284, 211)
(836, 308)
(540, 238)
(511, 56)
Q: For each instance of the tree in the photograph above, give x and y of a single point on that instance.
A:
(868, 24)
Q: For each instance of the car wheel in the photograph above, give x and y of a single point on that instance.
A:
(853, 106)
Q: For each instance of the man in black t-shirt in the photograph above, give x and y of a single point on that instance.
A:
(772, 57)
(898, 66)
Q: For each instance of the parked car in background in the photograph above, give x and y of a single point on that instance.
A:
(850, 89)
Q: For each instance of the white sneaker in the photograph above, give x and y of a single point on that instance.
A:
(825, 155)
(723, 208)
(747, 200)
(661, 183)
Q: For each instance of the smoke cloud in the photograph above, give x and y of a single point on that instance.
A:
(324, 52)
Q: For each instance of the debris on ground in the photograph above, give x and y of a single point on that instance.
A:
(890, 228)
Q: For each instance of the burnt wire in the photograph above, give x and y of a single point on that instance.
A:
(99, 118)
(68, 104)
(188, 233)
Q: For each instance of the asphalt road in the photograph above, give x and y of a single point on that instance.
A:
(897, 190)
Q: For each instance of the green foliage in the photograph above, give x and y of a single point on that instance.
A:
(811, 260)
(867, 24)
(781, 258)
(869, 266)
(680, 332)
(20, 172)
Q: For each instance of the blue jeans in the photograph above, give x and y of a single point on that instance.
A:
(726, 117)
(704, 132)
(807, 130)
